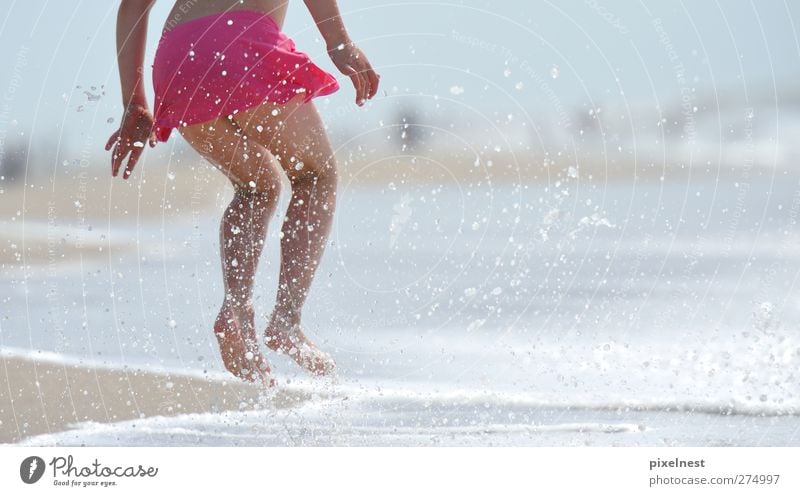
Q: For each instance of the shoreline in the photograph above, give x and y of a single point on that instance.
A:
(46, 397)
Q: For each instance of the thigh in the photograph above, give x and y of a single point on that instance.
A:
(248, 164)
(294, 133)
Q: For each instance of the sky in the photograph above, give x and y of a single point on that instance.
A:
(457, 61)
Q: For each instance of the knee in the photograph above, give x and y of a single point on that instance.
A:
(265, 191)
(267, 185)
(320, 178)
(263, 179)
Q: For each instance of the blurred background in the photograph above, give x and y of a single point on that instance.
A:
(583, 203)
(625, 86)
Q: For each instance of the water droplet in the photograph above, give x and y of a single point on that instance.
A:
(91, 96)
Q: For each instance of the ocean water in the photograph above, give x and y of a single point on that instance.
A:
(469, 313)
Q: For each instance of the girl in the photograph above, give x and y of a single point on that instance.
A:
(233, 85)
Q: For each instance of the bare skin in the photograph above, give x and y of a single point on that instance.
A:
(251, 159)
(252, 149)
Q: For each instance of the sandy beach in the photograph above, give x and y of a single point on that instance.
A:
(41, 396)
(474, 314)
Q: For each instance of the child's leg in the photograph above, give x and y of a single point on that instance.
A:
(297, 137)
(243, 229)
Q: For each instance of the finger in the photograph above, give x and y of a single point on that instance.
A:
(113, 139)
(135, 154)
(117, 157)
(374, 80)
(367, 86)
(350, 71)
(153, 139)
(356, 84)
(359, 84)
(362, 89)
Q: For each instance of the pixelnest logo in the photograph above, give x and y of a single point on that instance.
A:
(31, 469)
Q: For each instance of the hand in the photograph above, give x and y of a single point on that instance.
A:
(352, 62)
(136, 129)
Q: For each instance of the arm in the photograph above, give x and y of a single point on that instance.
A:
(136, 127)
(345, 55)
(131, 37)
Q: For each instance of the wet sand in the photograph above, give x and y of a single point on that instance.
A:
(42, 396)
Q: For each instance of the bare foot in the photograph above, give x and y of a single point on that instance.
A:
(287, 337)
(235, 331)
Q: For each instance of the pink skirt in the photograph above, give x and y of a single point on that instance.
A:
(221, 64)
